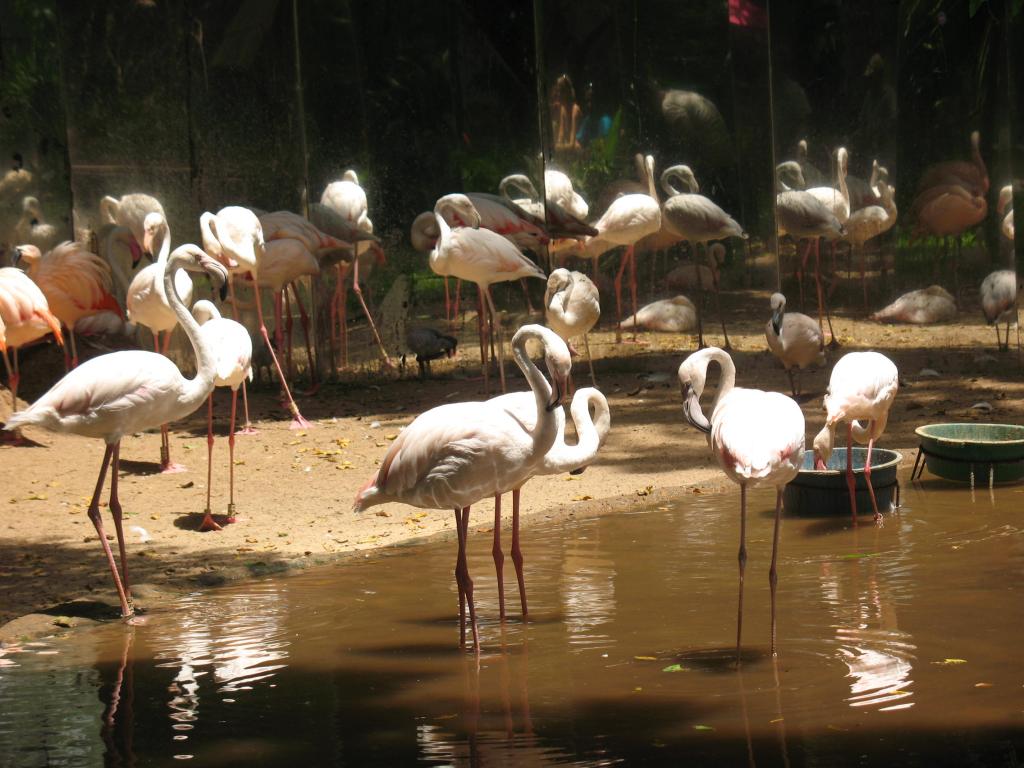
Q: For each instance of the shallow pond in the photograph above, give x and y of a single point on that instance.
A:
(898, 644)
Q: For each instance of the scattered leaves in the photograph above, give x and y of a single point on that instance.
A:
(675, 668)
(35, 496)
(646, 658)
(703, 728)
(949, 662)
(584, 497)
(645, 491)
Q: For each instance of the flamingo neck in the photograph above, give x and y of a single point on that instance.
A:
(728, 380)
(841, 172)
(439, 256)
(590, 433)
(546, 429)
(195, 390)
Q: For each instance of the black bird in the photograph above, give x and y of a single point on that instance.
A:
(428, 344)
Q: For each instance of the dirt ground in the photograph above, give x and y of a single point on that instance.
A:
(295, 488)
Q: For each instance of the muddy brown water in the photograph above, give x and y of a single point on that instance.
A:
(898, 645)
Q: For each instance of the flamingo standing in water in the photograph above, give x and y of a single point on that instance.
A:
(862, 386)
(758, 439)
(232, 351)
(125, 392)
(234, 236)
(572, 307)
(591, 433)
(453, 455)
(76, 283)
(628, 220)
(480, 256)
(26, 317)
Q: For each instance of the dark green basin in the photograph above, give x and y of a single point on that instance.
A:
(953, 451)
(824, 492)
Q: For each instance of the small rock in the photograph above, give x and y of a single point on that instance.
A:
(374, 425)
(928, 373)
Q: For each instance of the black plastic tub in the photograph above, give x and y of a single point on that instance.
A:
(824, 493)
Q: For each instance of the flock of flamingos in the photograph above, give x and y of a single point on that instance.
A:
(454, 455)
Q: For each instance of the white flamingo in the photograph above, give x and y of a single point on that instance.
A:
(148, 305)
(924, 306)
(999, 292)
(125, 392)
(572, 307)
(234, 236)
(32, 228)
(453, 455)
(131, 212)
(591, 433)
(232, 351)
(479, 256)
(868, 223)
(628, 220)
(794, 338)
(675, 315)
(862, 387)
(757, 438)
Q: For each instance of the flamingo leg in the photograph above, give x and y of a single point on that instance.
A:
(851, 482)
(458, 578)
(167, 342)
(526, 293)
(800, 268)
(458, 296)
(12, 381)
(517, 552)
(496, 322)
(618, 295)
(231, 457)
(167, 467)
(208, 523)
(792, 381)
(94, 515)
(773, 575)
(297, 421)
(462, 571)
(867, 472)
(633, 286)
(369, 316)
(288, 327)
(590, 360)
(498, 555)
(343, 314)
(742, 558)
(335, 303)
(700, 295)
(863, 276)
(116, 513)
(248, 428)
(718, 306)
(483, 340)
(278, 314)
(304, 320)
(817, 285)
(447, 302)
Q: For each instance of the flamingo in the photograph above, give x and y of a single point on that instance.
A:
(131, 212)
(26, 317)
(32, 227)
(125, 392)
(285, 261)
(348, 200)
(699, 276)
(794, 338)
(925, 306)
(810, 172)
(801, 215)
(1005, 208)
(758, 439)
(837, 200)
(698, 220)
(232, 351)
(970, 174)
(234, 236)
(572, 307)
(999, 291)
(558, 189)
(946, 211)
(591, 433)
(480, 256)
(870, 222)
(559, 223)
(149, 305)
(675, 315)
(862, 386)
(628, 220)
(453, 455)
(75, 282)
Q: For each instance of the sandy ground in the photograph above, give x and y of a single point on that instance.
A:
(295, 488)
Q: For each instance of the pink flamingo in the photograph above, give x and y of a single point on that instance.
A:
(131, 212)
(453, 455)
(862, 386)
(232, 352)
(758, 439)
(234, 236)
(76, 283)
(125, 392)
(26, 317)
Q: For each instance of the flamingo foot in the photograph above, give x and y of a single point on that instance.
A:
(298, 422)
(248, 429)
(209, 524)
(172, 468)
(833, 343)
(819, 465)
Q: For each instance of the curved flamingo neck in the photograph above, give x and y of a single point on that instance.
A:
(590, 433)
(439, 256)
(520, 183)
(843, 159)
(196, 389)
(545, 430)
(728, 381)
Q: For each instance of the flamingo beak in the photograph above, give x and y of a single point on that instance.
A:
(819, 465)
(558, 391)
(691, 410)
